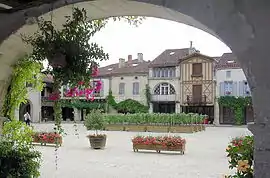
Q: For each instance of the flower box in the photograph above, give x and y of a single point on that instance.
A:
(158, 128)
(114, 127)
(135, 128)
(162, 143)
(183, 129)
(47, 138)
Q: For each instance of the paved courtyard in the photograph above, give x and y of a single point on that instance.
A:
(205, 156)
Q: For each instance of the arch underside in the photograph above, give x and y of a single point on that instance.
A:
(13, 47)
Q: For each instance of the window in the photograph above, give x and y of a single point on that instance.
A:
(121, 88)
(136, 88)
(164, 89)
(228, 74)
(228, 87)
(164, 72)
(197, 69)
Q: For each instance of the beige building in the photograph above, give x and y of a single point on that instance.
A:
(127, 79)
(197, 84)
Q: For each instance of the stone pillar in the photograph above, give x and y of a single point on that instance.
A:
(177, 108)
(216, 112)
(77, 114)
(151, 108)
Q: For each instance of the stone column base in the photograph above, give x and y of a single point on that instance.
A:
(261, 149)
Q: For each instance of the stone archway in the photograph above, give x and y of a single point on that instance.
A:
(25, 107)
(242, 25)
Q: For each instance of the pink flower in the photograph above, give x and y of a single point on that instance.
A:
(94, 71)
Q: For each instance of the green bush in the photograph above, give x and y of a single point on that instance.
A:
(18, 161)
(240, 154)
(154, 119)
(94, 121)
(17, 155)
(131, 106)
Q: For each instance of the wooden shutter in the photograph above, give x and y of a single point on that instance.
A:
(221, 89)
(234, 89)
(197, 69)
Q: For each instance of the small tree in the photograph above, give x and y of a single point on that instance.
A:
(94, 121)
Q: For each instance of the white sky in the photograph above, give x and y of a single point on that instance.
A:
(152, 37)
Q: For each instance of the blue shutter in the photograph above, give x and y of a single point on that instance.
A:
(241, 88)
(102, 88)
(221, 89)
(234, 89)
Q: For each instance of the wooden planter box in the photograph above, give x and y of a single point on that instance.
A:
(159, 148)
(183, 129)
(158, 128)
(114, 127)
(135, 128)
(58, 141)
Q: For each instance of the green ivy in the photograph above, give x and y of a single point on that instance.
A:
(111, 101)
(26, 71)
(148, 95)
(131, 106)
(237, 104)
(83, 104)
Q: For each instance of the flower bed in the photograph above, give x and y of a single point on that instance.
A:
(160, 143)
(44, 138)
(177, 123)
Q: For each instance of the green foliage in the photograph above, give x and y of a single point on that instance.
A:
(69, 46)
(237, 104)
(18, 161)
(131, 106)
(154, 119)
(26, 71)
(19, 132)
(79, 104)
(17, 156)
(240, 154)
(148, 95)
(94, 121)
(110, 100)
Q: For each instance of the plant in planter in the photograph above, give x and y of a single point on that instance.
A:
(159, 143)
(94, 121)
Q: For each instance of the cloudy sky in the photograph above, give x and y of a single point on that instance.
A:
(151, 38)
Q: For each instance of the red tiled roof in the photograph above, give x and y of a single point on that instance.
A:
(169, 57)
(135, 67)
(227, 61)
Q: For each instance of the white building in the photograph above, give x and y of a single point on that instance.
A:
(127, 79)
(231, 81)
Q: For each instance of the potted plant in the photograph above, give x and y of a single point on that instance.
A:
(94, 121)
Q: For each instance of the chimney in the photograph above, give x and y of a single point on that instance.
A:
(191, 49)
(140, 57)
(121, 62)
(129, 59)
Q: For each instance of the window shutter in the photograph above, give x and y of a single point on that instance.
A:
(102, 88)
(241, 88)
(221, 89)
(234, 89)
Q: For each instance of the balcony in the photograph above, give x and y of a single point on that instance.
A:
(196, 100)
(164, 98)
